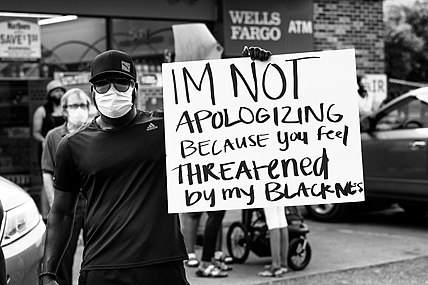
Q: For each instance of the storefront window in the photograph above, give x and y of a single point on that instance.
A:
(32, 48)
(14, 132)
(143, 38)
(71, 45)
(32, 52)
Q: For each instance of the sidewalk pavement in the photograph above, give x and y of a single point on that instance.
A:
(339, 249)
(334, 249)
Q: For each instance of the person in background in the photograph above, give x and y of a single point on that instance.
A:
(75, 105)
(278, 240)
(196, 42)
(208, 266)
(275, 217)
(190, 223)
(365, 100)
(45, 118)
(117, 162)
(3, 280)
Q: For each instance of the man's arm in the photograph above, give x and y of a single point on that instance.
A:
(60, 224)
(48, 164)
(48, 185)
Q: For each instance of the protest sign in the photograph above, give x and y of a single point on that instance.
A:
(248, 134)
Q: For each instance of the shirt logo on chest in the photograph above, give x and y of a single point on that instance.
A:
(151, 127)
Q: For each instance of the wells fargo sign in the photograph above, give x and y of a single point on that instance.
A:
(279, 26)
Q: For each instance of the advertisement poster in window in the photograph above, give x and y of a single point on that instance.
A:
(19, 39)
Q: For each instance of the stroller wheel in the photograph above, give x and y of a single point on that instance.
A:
(237, 242)
(299, 253)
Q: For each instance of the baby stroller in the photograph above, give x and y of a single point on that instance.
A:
(252, 234)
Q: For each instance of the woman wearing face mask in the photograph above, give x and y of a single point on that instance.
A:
(75, 108)
(45, 118)
(49, 115)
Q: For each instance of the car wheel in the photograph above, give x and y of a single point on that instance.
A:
(328, 212)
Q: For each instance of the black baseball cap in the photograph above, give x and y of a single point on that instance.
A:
(111, 62)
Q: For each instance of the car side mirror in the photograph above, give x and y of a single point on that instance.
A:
(366, 124)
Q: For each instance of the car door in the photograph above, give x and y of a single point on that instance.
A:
(395, 150)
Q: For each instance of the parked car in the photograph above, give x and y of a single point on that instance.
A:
(22, 235)
(394, 150)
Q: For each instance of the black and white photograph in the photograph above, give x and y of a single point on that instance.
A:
(205, 142)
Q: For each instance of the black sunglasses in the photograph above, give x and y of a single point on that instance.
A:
(75, 106)
(120, 84)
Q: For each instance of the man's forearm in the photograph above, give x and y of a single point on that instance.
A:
(48, 185)
(58, 235)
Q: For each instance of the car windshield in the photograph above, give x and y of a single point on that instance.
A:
(410, 113)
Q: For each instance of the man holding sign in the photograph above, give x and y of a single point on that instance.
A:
(118, 163)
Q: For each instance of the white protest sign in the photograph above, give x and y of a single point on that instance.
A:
(249, 134)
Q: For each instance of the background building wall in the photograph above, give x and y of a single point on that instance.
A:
(358, 24)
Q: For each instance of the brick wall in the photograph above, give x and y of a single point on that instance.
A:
(355, 24)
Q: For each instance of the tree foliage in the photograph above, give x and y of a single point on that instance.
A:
(406, 42)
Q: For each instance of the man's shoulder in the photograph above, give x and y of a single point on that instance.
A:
(158, 113)
(148, 116)
(57, 131)
(82, 130)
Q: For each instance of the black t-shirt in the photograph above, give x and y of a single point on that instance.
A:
(123, 175)
(49, 121)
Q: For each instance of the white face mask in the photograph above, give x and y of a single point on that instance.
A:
(114, 104)
(77, 117)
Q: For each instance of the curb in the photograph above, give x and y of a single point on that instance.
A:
(286, 280)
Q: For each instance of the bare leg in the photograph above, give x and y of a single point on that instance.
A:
(284, 246)
(275, 247)
(190, 228)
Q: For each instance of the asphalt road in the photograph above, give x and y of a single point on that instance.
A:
(368, 246)
(408, 272)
